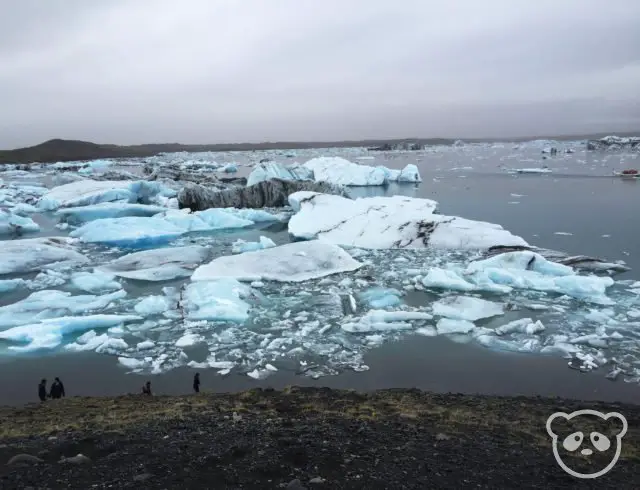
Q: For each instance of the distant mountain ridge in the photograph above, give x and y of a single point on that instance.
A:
(60, 150)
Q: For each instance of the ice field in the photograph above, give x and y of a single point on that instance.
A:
(97, 256)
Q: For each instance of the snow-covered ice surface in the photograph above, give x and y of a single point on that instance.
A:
(294, 262)
(390, 222)
(227, 289)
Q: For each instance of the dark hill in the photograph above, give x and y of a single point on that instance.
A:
(59, 150)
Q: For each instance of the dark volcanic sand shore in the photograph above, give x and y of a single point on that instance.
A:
(324, 438)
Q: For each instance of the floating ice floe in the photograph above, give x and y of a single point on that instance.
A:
(90, 192)
(241, 246)
(521, 270)
(53, 303)
(466, 308)
(16, 225)
(141, 232)
(339, 171)
(82, 214)
(219, 300)
(48, 333)
(531, 170)
(36, 254)
(161, 264)
(335, 170)
(390, 222)
(293, 262)
(95, 282)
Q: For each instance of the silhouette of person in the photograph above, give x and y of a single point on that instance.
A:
(146, 388)
(42, 390)
(57, 389)
(196, 383)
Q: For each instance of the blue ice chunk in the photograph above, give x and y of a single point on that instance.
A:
(240, 246)
(47, 334)
(129, 232)
(13, 224)
(82, 214)
(217, 300)
(379, 298)
(255, 215)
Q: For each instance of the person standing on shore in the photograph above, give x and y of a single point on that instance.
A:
(42, 390)
(146, 388)
(196, 383)
(57, 389)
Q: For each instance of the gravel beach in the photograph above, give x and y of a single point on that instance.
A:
(313, 438)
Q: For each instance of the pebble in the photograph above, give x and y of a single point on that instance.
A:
(295, 485)
(142, 477)
(24, 458)
(77, 459)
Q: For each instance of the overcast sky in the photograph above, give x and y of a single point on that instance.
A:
(207, 71)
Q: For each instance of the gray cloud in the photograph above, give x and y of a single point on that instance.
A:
(202, 71)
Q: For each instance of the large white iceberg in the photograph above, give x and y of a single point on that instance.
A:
(274, 170)
(35, 254)
(89, 192)
(390, 222)
(216, 300)
(82, 214)
(293, 262)
(160, 264)
(335, 170)
(13, 224)
(339, 171)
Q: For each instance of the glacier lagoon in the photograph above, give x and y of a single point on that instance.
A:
(405, 317)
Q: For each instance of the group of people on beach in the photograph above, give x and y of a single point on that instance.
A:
(56, 390)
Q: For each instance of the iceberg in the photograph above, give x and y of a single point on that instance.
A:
(51, 303)
(339, 171)
(241, 246)
(389, 222)
(90, 192)
(129, 232)
(36, 254)
(161, 264)
(47, 334)
(448, 326)
(271, 193)
(409, 174)
(272, 170)
(381, 320)
(95, 282)
(529, 270)
(466, 308)
(16, 225)
(82, 214)
(293, 262)
(378, 298)
(220, 300)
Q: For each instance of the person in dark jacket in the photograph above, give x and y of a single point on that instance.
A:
(57, 389)
(146, 388)
(42, 390)
(196, 383)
